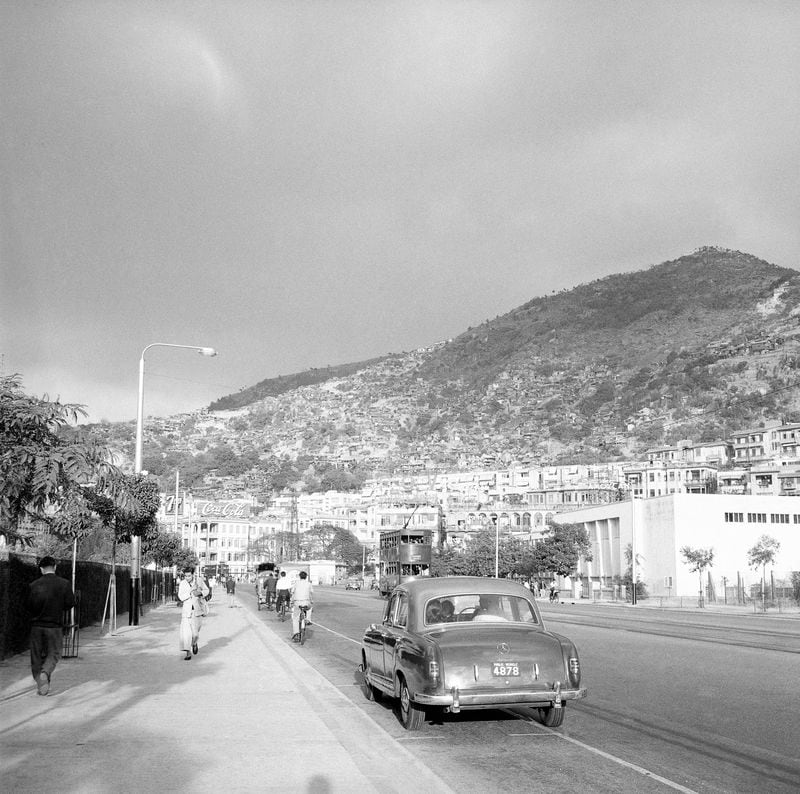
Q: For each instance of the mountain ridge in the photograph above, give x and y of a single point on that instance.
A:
(696, 347)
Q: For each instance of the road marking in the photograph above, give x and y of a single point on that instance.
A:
(343, 636)
(613, 758)
(639, 769)
(420, 738)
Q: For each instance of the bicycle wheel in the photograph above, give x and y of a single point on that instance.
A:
(302, 626)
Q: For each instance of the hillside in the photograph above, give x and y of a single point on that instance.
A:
(693, 348)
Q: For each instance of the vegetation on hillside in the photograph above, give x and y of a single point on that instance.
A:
(695, 348)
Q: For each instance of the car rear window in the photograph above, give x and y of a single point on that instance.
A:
(484, 608)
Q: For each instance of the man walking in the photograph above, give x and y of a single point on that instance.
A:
(270, 584)
(49, 597)
(230, 588)
(191, 595)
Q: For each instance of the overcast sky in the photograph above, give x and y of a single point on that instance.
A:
(308, 183)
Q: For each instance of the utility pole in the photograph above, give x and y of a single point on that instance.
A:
(633, 550)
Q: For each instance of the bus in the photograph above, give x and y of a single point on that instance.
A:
(404, 554)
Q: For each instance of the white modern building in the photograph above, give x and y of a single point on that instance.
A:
(659, 527)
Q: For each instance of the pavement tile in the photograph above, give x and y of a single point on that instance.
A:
(247, 713)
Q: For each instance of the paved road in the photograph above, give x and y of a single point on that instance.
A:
(687, 702)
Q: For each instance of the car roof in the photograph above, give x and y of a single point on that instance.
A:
(428, 586)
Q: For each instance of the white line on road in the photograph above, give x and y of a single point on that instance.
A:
(641, 770)
(634, 767)
(343, 636)
(613, 758)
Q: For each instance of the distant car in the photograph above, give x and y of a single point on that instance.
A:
(353, 584)
(463, 642)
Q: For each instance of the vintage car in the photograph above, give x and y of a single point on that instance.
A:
(353, 583)
(464, 642)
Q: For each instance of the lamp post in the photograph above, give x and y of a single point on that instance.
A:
(497, 550)
(136, 542)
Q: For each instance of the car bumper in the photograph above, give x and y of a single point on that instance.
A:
(455, 700)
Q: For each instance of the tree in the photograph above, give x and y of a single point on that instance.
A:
(796, 586)
(627, 579)
(45, 470)
(166, 549)
(478, 558)
(698, 560)
(760, 556)
(561, 549)
(328, 541)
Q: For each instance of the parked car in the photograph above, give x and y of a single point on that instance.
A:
(353, 584)
(463, 642)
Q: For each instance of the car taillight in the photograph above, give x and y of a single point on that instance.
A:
(574, 670)
(433, 672)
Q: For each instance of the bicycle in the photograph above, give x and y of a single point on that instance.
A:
(281, 608)
(302, 623)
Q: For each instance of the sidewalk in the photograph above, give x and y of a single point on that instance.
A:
(247, 713)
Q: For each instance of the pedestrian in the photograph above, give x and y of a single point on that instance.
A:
(270, 585)
(191, 595)
(48, 598)
(230, 588)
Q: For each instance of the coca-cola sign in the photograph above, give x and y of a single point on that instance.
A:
(223, 509)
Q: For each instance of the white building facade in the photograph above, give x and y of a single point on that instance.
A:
(656, 529)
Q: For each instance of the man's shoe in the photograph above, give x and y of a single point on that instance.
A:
(194, 647)
(42, 683)
(188, 657)
(295, 638)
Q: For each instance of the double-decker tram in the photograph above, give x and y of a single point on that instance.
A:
(404, 554)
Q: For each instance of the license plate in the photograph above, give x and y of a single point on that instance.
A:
(505, 669)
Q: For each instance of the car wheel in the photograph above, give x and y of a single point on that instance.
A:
(551, 716)
(411, 715)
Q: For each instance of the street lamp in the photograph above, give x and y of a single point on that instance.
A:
(136, 543)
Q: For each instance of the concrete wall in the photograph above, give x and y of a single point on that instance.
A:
(661, 526)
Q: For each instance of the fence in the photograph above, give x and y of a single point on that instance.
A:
(18, 570)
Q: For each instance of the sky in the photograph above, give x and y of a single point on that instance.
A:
(298, 184)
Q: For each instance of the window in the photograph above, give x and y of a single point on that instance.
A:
(757, 518)
(485, 607)
(779, 518)
(401, 616)
(734, 518)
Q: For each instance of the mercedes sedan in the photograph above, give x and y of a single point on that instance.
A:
(461, 642)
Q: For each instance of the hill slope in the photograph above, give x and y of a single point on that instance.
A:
(693, 348)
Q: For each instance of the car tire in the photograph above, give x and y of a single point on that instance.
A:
(411, 715)
(551, 716)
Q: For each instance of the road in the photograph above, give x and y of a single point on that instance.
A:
(689, 701)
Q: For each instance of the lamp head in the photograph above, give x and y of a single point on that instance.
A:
(207, 351)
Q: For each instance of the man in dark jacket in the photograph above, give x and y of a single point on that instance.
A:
(48, 598)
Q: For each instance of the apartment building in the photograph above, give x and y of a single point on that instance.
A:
(776, 442)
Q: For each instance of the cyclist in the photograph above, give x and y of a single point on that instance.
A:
(302, 596)
(282, 591)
